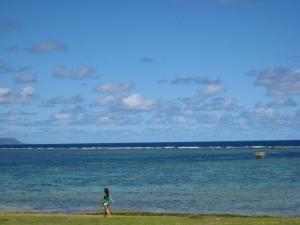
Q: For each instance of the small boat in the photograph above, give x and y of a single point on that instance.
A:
(260, 155)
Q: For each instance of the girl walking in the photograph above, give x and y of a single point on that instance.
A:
(106, 200)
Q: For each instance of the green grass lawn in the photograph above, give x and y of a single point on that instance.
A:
(138, 219)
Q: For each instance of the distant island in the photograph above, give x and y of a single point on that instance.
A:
(9, 141)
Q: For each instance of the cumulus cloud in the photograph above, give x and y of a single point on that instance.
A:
(23, 96)
(132, 109)
(26, 78)
(115, 88)
(279, 81)
(82, 73)
(192, 101)
(208, 88)
(260, 112)
(62, 116)
(5, 95)
(52, 102)
(6, 68)
(264, 115)
(219, 104)
(212, 89)
(49, 47)
(72, 108)
(111, 116)
(107, 118)
(106, 100)
(27, 91)
(14, 116)
(75, 99)
(282, 101)
(137, 102)
(4, 91)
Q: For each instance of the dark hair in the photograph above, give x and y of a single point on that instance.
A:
(106, 191)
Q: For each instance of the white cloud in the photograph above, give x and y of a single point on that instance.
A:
(15, 117)
(26, 78)
(262, 111)
(106, 100)
(49, 47)
(104, 119)
(212, 89)
(4, 91)
(282, 101)
(62, 116)
(115, 88)
(9, 96)
(73, 100)
(5, 95)
(114, 116)
(261, 114)
(279, 82)
(51, 102)
(82, 73)
(193, 101)
(27, 92)
(219, 104)
(136, 102)
(25, 95)
(208, 87)
(72, 108)
(121, 118)
(181, 119)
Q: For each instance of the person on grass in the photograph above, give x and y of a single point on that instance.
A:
(106, 200)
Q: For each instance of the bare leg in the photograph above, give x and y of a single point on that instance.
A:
(105, 213)
(106, 207)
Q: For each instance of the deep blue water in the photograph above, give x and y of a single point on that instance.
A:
(153, 178)
(163, 144)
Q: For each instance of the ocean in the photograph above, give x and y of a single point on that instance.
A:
(190, 177)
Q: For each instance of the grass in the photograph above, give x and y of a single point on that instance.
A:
(7, 218)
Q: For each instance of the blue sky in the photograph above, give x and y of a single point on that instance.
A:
(161, 70)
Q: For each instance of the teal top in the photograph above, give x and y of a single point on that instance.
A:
(106, 198)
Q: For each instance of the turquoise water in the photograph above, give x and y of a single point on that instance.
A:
(198, 180)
